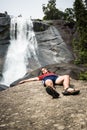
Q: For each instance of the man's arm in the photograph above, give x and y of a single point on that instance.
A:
(28, 80)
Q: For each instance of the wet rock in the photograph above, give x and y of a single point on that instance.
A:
(4, 37)
(3, 87)
(38, 26)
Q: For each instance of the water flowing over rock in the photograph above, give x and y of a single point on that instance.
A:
(23, 46)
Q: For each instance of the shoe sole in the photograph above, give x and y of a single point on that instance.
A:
(76, 92)
(52, 92)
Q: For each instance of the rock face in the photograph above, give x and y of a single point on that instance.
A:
(28, 106)
(51, 47)
(4, 37)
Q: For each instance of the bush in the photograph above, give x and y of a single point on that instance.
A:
(83, 76)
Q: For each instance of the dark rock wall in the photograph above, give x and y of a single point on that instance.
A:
(38, 26)
(67, 31)
(4, 37)
(4, 29)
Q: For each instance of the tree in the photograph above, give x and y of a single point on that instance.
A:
(86, 2)
(50, 11)
(69, 15)
(81, 21)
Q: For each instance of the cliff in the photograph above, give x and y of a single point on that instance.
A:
(4, 37)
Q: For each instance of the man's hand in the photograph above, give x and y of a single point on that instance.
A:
(21, 82)
(28, 80)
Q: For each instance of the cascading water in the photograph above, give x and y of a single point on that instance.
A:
(23, 46)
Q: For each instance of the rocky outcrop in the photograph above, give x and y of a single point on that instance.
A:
(38, 26)
(60, 69)
(28, 106)
(4, 29)
(4, 37)
(51, 47)
(67, 30)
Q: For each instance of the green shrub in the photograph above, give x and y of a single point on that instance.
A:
(83, 76)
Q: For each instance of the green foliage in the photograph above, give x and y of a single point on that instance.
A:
(78, 15)
(50, 23)
(83, 76)
(86, 3)
(81, 52)
(51, 12)
(81, 20)
(69, 15)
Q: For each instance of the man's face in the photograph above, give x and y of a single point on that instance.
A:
(44, 70)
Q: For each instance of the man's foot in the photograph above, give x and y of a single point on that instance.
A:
(71, 91)
(52, 92)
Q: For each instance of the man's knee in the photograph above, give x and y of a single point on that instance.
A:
(48, 83)
(67, 76)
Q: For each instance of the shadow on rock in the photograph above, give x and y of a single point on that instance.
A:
(3, 87)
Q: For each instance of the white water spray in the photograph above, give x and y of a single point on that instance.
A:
(22, 46)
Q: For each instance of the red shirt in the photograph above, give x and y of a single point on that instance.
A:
(44, 75)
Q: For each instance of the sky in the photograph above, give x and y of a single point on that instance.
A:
(31, 8)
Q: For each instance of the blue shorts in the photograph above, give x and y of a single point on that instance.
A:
(51, 77)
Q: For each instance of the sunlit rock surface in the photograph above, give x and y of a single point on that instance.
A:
(51, 47)
(28, 106)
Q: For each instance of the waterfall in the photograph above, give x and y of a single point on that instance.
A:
(23, 45)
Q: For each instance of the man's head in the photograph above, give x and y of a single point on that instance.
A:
(44, 70)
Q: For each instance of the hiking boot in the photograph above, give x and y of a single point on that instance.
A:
(52, 92)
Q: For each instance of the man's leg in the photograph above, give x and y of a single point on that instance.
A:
(49, 83)
(50, 88)
(65, 80)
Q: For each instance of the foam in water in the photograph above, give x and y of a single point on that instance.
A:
(22, 46)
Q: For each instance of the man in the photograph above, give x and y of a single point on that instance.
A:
(50, 79)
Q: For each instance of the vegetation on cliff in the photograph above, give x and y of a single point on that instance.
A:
(80, 44)
(76, 16)
(51, 12)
